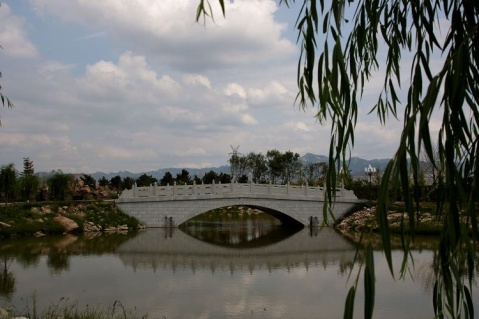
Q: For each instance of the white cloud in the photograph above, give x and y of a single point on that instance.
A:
(13, 37)
(167, 30)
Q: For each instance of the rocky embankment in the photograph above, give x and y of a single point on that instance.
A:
(40, 219)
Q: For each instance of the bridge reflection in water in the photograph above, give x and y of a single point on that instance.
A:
(175, 249)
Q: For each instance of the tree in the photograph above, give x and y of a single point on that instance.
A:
(183, 178)
(29, 183)
(88, 180)
(145, 180)
(116, 182)
(103, 181)
(127, 183)
(28, 168)
(167, 179)
(258, 167)
(8, 181)
(316, 173)
(59, 185)
(210, 177)
(332, 76)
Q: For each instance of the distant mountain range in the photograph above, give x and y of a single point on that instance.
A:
(356, 165)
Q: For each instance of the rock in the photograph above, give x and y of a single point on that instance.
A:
(3, 313)
(68, 224)
(122, 227)
(38, 234)
(5, 225)
(91, 227)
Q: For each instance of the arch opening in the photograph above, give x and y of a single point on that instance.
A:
(240, 226)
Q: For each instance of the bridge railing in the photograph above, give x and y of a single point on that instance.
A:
(231, 188)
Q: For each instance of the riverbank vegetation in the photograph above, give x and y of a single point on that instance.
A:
(66, 308)
(48, 218)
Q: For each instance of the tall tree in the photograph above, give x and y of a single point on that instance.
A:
(29, 183)
(59, 185)
(332, 76)
(258, 167)
(145, 180)
(8, 181)
(116, 183)
(183, 178)
(167, 179)
(88, 180)
(28, 168)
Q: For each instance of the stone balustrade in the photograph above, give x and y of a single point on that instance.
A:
(251, 189)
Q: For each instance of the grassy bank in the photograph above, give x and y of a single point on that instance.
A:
(42, 218)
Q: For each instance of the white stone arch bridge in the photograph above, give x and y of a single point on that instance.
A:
(171, 206)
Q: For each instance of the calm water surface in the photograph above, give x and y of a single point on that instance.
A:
(199, 272)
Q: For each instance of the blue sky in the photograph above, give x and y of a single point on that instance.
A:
(137, 85)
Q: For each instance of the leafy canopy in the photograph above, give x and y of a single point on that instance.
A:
(333, 75)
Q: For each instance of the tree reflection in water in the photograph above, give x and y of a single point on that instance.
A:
(238, 227)
(7, 279)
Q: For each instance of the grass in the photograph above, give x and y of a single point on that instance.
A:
(67, 309)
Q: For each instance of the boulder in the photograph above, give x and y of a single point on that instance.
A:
(3, 313)
(91, 227)
(5, 225)
(67, 224)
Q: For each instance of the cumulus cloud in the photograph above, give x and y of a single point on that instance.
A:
(167, 30)
(13, 37)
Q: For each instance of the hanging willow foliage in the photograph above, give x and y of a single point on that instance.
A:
(332, 77)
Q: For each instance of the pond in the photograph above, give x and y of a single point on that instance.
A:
(254, 271)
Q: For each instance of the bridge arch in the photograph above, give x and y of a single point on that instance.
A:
(283, 217)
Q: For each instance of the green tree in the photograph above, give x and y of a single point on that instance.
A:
(8, 181)
(59, 185)
(332, 76)
(183, 178)
(103, 181)
(225, 178)
(167, 179)
(29, 183)
(209, 177)
(88, 180)
(316, 173)
(145, 180)
(258, 167)
(28, 168)
(127, 183)
(116, 182)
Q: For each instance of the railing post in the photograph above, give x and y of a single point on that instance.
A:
(134, 190)
(174, 189)
(213, 187)
(194, 187)
(270, 188)
(155, 189)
